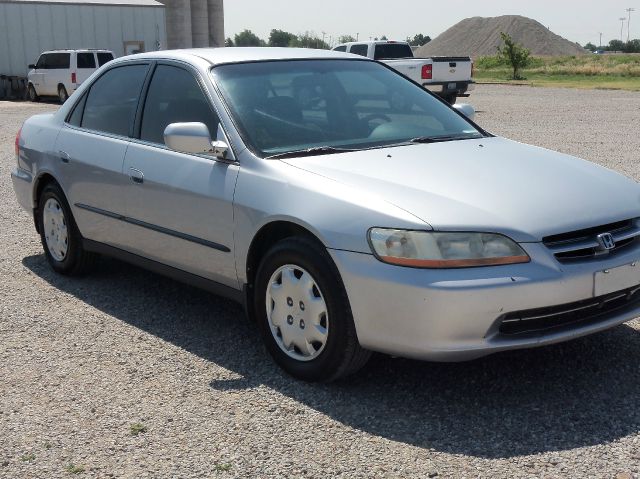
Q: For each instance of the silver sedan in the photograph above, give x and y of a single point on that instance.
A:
(347, 208)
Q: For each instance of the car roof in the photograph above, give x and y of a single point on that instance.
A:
(216, 56)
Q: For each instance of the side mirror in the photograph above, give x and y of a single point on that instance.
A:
(193, 137)
(466, 109)
(31, 66)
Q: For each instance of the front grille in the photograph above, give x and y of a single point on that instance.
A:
(590, 310)
(583, 244)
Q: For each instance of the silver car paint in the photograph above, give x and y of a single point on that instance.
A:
(436, 314)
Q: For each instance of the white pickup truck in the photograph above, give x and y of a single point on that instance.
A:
(449, 77)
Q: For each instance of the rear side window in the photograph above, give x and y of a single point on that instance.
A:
(342, 48)
(359, 49)
(56, 61)
(104, 57)
(112, 100)
(174, 96)
(86, 60)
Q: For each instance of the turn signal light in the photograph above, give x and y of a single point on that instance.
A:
(73, 77)
(427, 72)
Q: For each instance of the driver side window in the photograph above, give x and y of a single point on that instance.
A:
(174, 96)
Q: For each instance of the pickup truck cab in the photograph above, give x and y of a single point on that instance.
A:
(449, 77)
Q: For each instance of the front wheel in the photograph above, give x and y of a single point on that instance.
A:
(61, 240)
(303, 312)
(31, 91)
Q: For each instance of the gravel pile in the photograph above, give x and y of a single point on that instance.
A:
(479, 36)
(127, 374)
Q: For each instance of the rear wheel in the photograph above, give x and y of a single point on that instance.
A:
(303, 312)
(31, 91)
(62, 94)
(59, 234)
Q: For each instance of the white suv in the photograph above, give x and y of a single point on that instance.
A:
(60, 72)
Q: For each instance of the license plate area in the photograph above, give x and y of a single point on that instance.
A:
(616, 279)
(452, 86)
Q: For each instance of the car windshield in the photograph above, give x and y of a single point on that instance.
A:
(323, 105)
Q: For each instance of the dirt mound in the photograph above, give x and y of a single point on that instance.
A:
(478, 36)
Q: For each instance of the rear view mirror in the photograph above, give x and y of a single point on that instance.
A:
(193, 137)
(31, 66)
(466, 109)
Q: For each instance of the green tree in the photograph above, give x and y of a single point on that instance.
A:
(247, 38)
(419, 40)
(346, 39)
(632, 46)
(280, 38)
(515, 54)
(591, 47)
(308, 40)
(616, 46)
(384, 37)
(228, 42)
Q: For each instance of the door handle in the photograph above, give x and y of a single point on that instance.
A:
(136, 175)
(64, 156)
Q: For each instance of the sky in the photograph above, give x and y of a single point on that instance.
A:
(577, 21)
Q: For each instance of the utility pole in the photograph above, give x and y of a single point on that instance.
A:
(629, 10)
(323, 34)
(600, 45)
(357, 37)
(622, 19)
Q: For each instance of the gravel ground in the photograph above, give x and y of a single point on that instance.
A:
(84, 360)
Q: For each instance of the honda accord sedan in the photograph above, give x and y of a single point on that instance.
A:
(347, 208)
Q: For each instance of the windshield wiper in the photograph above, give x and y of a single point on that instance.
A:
(315, 151)
(438, 139)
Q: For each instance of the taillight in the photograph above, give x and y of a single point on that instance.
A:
(73, 77)
(473, 69)
(18, 144)
(427, 72)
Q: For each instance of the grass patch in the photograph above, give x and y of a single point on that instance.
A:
(137, 428)
(73, 469)
(28, 457)
(615, 72)
(221, 467)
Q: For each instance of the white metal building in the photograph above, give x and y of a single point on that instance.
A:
(29, 27)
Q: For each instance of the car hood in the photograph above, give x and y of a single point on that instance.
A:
(488, 184)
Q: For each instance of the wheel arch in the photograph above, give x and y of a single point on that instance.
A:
(39, 183)
(268, 235)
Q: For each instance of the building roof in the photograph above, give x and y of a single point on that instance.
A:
(128, 3)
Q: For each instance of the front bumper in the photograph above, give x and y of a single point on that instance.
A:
(454, 314)
(22, 186)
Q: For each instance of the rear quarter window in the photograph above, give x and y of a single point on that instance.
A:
(104, 57)
(342, 48)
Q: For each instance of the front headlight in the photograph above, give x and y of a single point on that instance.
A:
(426, 249)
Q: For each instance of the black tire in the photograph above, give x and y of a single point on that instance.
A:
(77, 261)
(451, 99)
(62, 94)
(342, 354)
(31, 92)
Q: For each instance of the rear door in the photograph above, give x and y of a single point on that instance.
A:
(182, 203)
(91, 148)
(85, 66)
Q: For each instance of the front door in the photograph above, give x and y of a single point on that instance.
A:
(181, 203)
